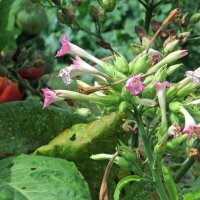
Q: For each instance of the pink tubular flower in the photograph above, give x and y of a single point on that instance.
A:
(79, 67)
(134, 85)
(191, 127)
(50, 96)
(69, 48)
(162, 85)
(160, 91)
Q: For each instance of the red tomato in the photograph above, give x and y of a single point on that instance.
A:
(32, 73)
(9, 91)
(3, 83)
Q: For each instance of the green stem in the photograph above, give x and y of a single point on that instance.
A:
(157, 179)
(188, 163)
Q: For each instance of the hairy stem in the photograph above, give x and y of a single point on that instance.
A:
(157, 179)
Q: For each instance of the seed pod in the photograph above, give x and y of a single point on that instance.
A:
(68, 15)
(92, 9)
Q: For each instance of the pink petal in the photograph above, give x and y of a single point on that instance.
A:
(65, 48)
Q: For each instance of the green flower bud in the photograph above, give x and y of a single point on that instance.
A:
(174, 118)
(108, 5)
(161, 74)
(171, 46)
(186, 90)
(195, 18)
(176, 141)
(175, 106)
(182, 37)
(141, 65)
(171, 92)
(173, 68)
(120, 63)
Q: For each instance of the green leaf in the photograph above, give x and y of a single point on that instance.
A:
(28, 177)
(171, 187)
(81, 141)
(195, 195)
(123, 182)
(24, 126)
(7, 16)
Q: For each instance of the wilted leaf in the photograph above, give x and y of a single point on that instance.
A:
(28, 177)
(24, 126)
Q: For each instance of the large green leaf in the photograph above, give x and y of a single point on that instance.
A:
(81, 141)
(28, 177)
(7, 16)
(24, 126)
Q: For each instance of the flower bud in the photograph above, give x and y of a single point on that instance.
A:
(171, 46)
(101, 14)
(186, 90)
(161, 74)
(146, 41)
(120, 63)
(185, 21)
(195, 18)
(171, 92)
(182, 37)
(169, 59)
(173, 68)
(175, 106)
(93, 10)
(108, 5)
(68, 15)
(141, 65)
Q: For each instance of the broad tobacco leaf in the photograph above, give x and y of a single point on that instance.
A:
(24, 126)
(7, 16)
(28, 177)
(81, 141)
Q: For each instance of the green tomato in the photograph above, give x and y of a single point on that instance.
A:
(32, 21)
